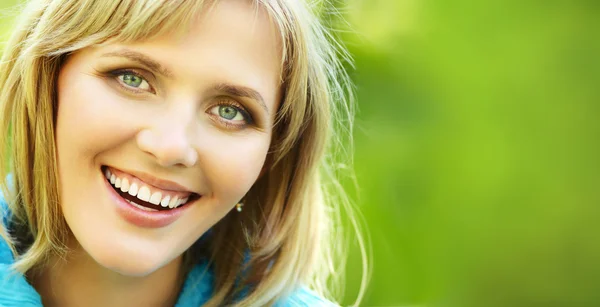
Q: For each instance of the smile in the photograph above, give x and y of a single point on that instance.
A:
(140, 202)
(145, 196)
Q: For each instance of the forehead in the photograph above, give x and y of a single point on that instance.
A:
(238, 30)
(229, 41)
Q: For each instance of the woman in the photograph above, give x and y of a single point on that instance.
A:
(168, 153)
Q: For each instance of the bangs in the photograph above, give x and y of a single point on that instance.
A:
(80, 24)
(87, 23)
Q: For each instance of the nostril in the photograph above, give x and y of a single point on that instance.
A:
(191, 158)
(169, 150)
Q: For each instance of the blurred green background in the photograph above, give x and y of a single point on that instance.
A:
(477, 151)
(477, 154)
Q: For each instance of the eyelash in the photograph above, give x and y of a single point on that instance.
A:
(248, 120)
(114, 75)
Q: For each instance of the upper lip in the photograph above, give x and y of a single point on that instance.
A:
(162, 184)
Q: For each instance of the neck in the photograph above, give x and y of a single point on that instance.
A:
(78, 280)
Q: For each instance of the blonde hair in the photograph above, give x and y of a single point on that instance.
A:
(290, 231)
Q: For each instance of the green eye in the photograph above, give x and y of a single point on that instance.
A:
(229, 112)
(134, 81)
(231, 115)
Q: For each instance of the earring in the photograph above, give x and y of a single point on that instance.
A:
(239, 206)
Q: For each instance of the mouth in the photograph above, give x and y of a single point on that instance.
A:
(145, 196)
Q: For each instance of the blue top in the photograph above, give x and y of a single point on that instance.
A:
(197, 289)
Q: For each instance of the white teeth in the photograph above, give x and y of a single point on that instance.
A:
(125, 185)
(143, 194)
(133, 189)
(174, 202)
(140, 207)
(165, 201)
(183, 201)
(155, 198)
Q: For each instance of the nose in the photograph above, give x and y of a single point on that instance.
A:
(169, 142)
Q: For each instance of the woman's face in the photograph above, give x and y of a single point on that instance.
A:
(183, 124)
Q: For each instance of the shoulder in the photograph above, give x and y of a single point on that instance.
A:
(303, 296)
(6, 255)
(14, 289)
(197, 289)
(5, 252)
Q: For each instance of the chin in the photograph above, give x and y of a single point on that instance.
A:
(129, 261)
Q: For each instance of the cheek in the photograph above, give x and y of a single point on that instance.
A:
(90, 117)
(232, 163)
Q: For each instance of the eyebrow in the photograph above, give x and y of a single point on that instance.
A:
(142, 59)
(230, 89)
(242, 91)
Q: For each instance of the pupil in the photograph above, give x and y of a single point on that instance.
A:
(132, 80)
(228, 112)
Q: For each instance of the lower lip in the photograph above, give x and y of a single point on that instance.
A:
(141, 218)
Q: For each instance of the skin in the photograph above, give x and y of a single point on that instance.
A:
(170, 125)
